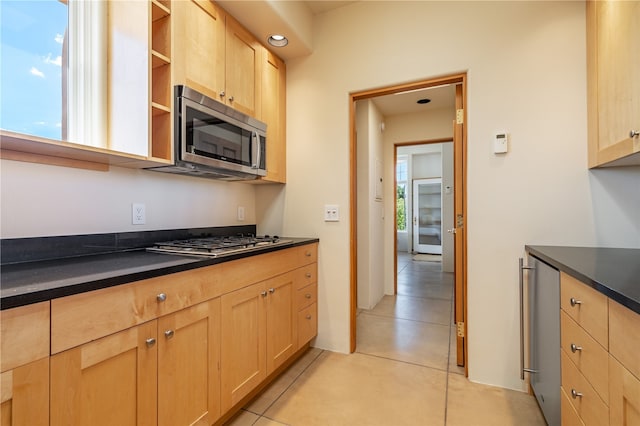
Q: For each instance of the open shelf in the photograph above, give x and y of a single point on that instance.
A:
(160, 73)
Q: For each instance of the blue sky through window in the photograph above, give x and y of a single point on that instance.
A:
(31, 34)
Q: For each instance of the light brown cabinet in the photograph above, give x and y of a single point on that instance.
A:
(216, 56)
(258, 335)
(183, 348)
(140, 375)
(109, 381)
(613, 60)
(624, 365)
(600, 341)
(274, 114)
(24, 361)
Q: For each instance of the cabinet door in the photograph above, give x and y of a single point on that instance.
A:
(274, 114)
(624, 395)
(243, 350)
(614, 80)
(110, 381)
(188, 366)
(243, 69)
(281, 322)
(24, 394)
(200, 46)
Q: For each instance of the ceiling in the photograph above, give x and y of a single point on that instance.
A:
(325, 6)
(406, 102)
(295, 19)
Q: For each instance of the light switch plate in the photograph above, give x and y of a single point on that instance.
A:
(331, 213)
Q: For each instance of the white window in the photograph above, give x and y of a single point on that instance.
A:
(53, 69)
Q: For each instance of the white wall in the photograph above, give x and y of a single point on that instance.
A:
(43, 200)
(526, 75)
(370, 209)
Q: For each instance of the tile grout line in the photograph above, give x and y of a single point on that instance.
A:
(407, 319)
(286, 389)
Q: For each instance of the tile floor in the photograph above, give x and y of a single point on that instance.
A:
(402, 373)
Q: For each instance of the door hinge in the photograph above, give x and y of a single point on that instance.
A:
(459, 221)
(460, 329)
(460, 116)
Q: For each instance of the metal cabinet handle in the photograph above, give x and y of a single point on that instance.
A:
(263, 294)
(573, 301)
(230, 98)
(575, 394)
(634, 133)
(222, 94)
(272, 290)
(150, 342)
(575, 348)
(308, 316)
(308, 274)
(521, 276)
(169, 334)
(308, 254)
(308, 295)
(161, 297)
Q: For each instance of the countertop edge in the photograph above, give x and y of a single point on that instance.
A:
(14, 301)
(592, 282)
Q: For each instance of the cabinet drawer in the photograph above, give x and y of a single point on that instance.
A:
(308, 253)
(586, 306)
(306, 275)
(307, 324)
(88, 316)
(587, 354)
(24, 335)
(306, 296)
(568, 414)
(590, 407)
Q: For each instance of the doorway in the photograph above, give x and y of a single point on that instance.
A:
(459, 80)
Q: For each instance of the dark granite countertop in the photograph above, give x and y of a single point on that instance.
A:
(614, 272)
(24, 283)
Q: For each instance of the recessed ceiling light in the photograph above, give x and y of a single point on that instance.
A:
(423, 101)
(277, 40)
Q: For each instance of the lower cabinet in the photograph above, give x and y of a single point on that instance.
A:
(181, 349)
(258, 335)
(140, 375)
(24, 362)
(600, 363)
(24, 388)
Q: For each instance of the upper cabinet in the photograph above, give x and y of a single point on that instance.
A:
(613, 64)
(199, 31)
(274, 114)
(217, 56)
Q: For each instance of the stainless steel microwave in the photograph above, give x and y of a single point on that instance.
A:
(215, 141)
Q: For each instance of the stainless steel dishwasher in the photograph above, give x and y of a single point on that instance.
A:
(543, 331)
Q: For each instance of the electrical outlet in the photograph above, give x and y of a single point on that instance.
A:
(138, 214)
(240, 214)
(331, 213)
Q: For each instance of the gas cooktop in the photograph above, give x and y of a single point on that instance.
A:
(217, 246)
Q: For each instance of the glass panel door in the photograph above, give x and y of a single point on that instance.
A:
(427, 215)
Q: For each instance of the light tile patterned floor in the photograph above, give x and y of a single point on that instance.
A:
(403, 372)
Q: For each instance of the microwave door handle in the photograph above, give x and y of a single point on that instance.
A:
(256, 147)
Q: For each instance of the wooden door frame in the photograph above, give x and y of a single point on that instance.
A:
(460, 78)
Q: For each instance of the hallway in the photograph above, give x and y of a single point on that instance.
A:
(402, 373)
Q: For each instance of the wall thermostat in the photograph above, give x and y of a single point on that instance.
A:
(501, 143)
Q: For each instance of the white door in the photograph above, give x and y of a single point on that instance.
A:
(427, 215)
